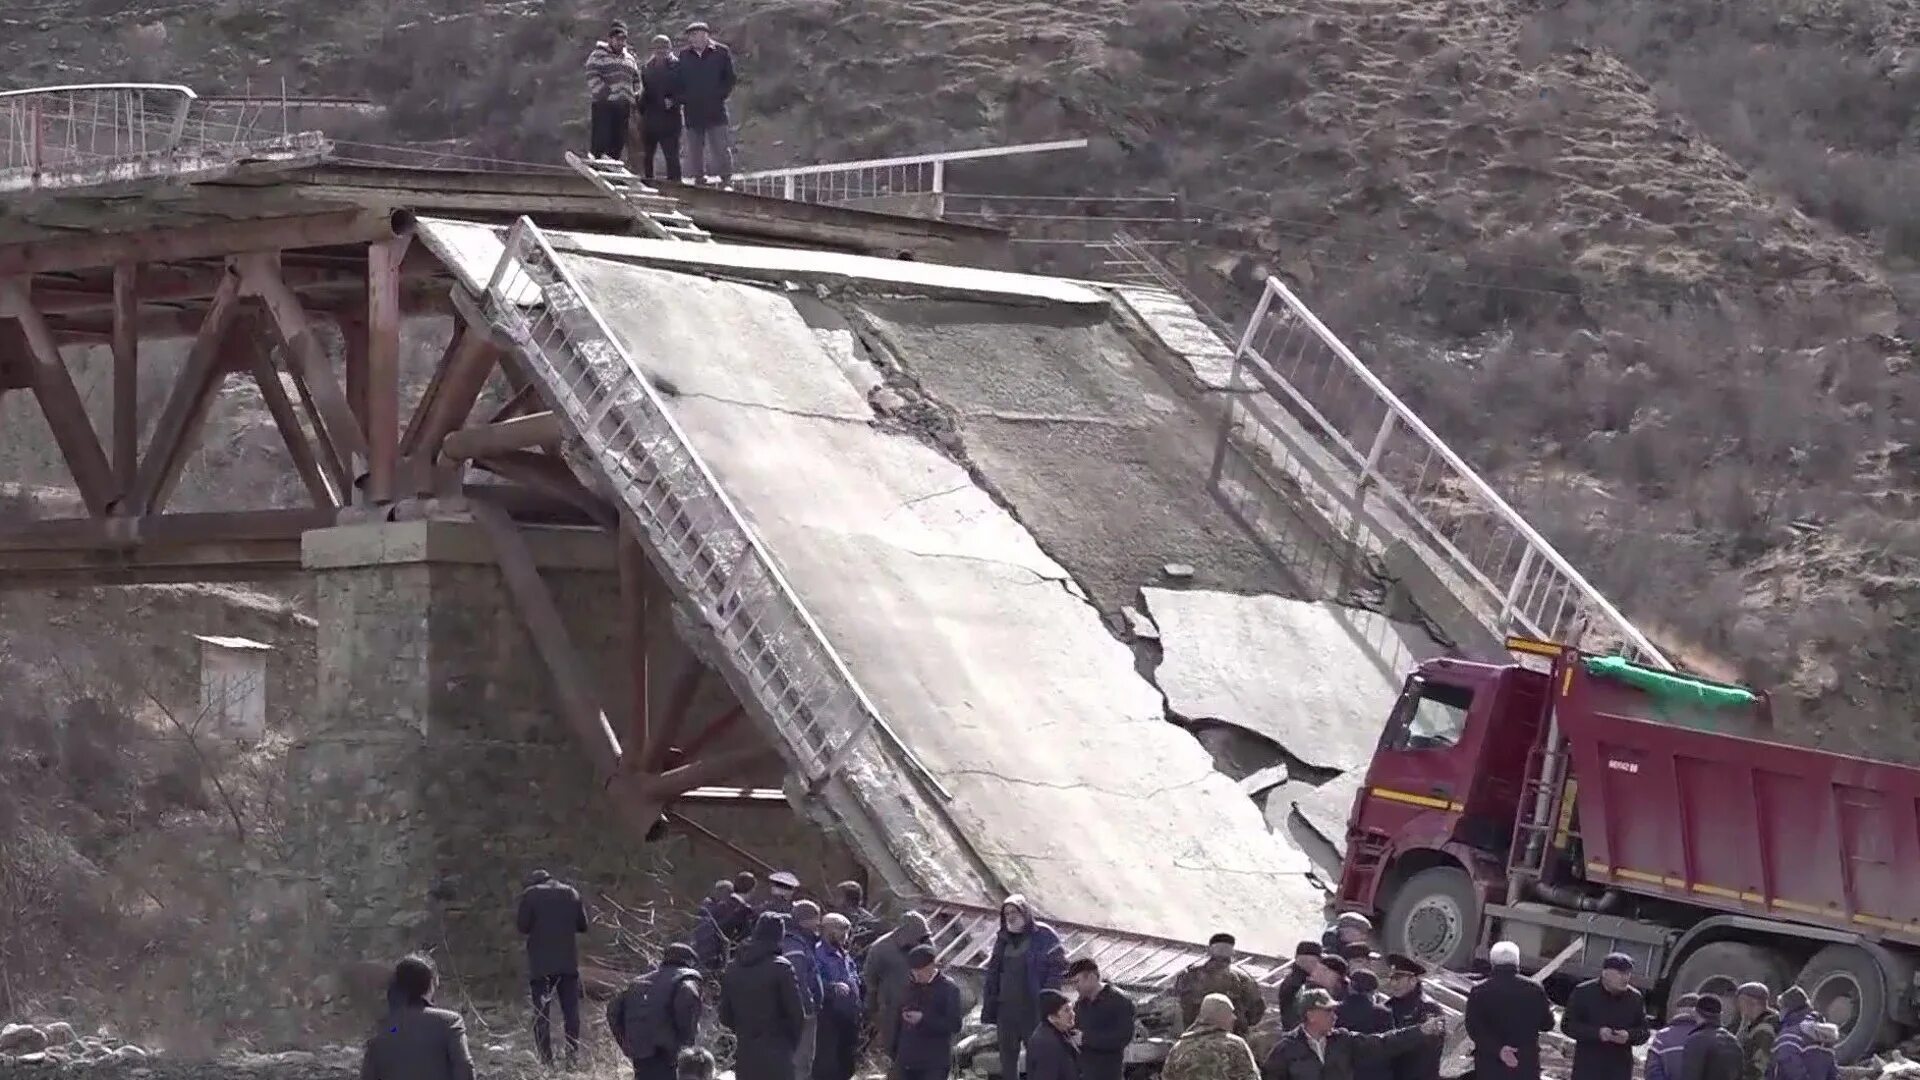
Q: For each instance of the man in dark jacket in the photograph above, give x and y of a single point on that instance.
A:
(930, 1017)
(1106, 1016)
(1027, 958)
(1759, 1028)
(760, 1004)
(803, 933)
(658, 1015)
(706, 81)
(1663, 1053)
(710, 940)
(887, 975)
(1606, 1018)
(552, 917)
(1712, 1053)
(1804, 1050)
(1306, 961)
(660, 109)
(1361, 1013)
(850, 901)
(1505, 1016)
(417, 1041)
(783, 888)
(1408, 1004)
(1320, 1050)
(1053, 1050)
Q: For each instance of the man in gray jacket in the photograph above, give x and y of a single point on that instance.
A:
(552, 917)
(417, 1041)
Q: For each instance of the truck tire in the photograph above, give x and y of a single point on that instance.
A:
(1847, 972)
(1435, 918)
(1719, 967)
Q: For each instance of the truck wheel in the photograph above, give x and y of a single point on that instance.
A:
(1845, 986)
(1435, 918)
(1719, 967)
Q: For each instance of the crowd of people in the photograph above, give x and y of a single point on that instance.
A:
(808, 988)
(672, 97)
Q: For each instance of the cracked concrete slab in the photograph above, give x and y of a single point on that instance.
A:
(1325, 808)
(1181, 330)
(975, 645)
(1099, 452)
(1318, 679)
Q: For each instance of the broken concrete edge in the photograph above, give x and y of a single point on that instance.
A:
(1167, 356)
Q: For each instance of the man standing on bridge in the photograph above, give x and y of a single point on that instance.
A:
(612, 77)
(660, 109)
(706, 82)
(552, 917)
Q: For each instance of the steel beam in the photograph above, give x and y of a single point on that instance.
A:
(653, 756)
(383, 367)
(178, 428)
(550, 475)
(306, 359)
(203, 241)
(274, 393)
(539, 429)
(470, 359)
(636, 601)
(65, 413)
(126, 375)
(677, 781)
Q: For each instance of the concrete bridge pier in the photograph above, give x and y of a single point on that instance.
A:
(436, 772)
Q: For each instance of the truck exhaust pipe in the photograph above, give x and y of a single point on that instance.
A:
(1569, 897)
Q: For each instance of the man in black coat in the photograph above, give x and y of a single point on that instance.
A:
(930, 1018)
(1319, 1050)
(1505, 1016)
(1105, 1015)
(1408, 1003)
(658, 1015)
(1306, 961)
(660, 108)
(417, 1041)
(1053, 1050)
(552, 918)
(1606, 1018)
(706, 82)
(760, 1003)
(1361, 1013)
(1712, 1052)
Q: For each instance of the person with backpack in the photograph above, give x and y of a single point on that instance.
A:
(658, 1015)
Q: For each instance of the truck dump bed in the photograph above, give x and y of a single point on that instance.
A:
(1677, 798)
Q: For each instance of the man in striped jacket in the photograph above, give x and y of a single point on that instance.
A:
(613, 74)
(1670, 1042)
(1804, 1049)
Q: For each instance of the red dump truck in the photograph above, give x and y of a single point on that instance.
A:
(1569, 798)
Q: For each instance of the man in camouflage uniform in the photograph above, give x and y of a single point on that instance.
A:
(1208, 1049)
(1217, 975)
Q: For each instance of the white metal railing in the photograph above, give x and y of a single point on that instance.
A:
(1504, 570)
(854, 182)
(92, 133)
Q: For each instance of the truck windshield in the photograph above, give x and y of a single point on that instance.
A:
(1437, 719)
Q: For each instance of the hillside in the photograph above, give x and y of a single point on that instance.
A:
(1643, 261)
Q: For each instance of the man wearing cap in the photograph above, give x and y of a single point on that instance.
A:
(1408, 1003)
(1361, 1013)
(552, 918)
(1306, 961)
(1712, 1053)
(1218, 975)
(1759, 1027)
(930, 1018)
(706, 81)
(1331, 976)
(781, 887)
(613, 75)
(803, 934)
(1606, 1018)
(1663, 1053)
(1208, 1049)
(1319, 1049)
(658, 1015)
(1505, 1016)
(660, 108)
(1348, 927)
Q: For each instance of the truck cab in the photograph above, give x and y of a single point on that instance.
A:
(1430, 828)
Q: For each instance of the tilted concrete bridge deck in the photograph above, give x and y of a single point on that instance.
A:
(887, 430)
